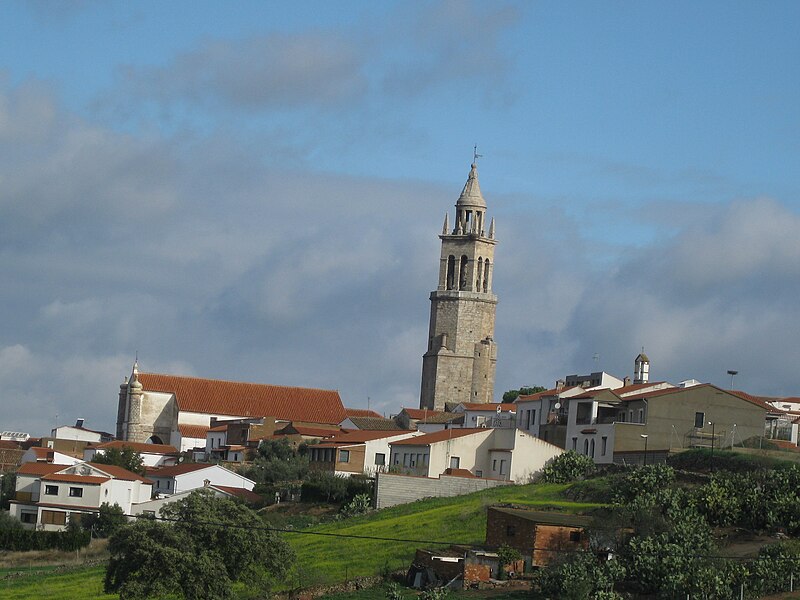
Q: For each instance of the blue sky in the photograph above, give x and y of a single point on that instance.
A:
(253, 191)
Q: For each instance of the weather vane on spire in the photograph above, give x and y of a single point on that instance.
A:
(475, 155)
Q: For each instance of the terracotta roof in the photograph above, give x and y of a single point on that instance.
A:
(42, 452)
(421, 413)
(139, 447)
(546, 517)
(242, 493)
(504, 407)
(755, 400)
(594, 393)
(362, 412)
(439, 436)
(177, 469)
(375, 423)
(69, 478)
(359, 436)
(458, 472)
(118, 472)
(234, 398)
(307, 431)
(37, 468)
(67, 506)
(218, 428)
(193, 431)
(9, 445)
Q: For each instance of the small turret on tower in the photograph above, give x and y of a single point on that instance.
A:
(641, 368)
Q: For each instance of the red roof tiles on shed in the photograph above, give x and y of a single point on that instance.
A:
(235, 398)
(439, 436)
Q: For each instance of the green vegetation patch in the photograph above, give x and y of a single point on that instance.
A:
(457, 520)
(85, 583)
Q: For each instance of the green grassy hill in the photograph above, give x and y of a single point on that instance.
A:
(323, 559)
(461, 520)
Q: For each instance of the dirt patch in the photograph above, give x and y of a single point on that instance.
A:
(95, 552)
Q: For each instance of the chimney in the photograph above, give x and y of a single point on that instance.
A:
(626, 382)
(79, 422)
(560, 385)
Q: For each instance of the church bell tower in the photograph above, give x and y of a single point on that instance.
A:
(459, 365)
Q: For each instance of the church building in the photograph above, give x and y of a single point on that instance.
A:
(459, 365)
(177, 410)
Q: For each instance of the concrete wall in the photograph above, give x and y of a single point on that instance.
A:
(395, 489)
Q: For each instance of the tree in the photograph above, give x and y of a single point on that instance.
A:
(567, 467)
(512, 395)
(506, 555)
(106, 522)
(277, 461)
(204, 545)
(8, 487)
(127, 458)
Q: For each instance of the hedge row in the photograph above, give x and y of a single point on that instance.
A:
(22, 540)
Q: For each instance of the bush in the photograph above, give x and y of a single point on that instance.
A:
(567, 467)
(21, 540)
(360, 505)
(327, 487)
(107, 521)
(580, 576)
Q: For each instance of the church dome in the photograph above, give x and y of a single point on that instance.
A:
(471, 196)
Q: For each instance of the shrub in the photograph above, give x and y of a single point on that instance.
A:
(567, 467)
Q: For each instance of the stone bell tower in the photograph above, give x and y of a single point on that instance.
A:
(459, 365)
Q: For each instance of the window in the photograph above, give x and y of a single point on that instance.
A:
(406, 461)
(502, 467)
(575, 444)
(54, 517)
(478, 473)
(574, 536)
(75, 492)
(397, 458)
(455, 462)
(344, 456)
(591, 451)
(641, 415)
(28, 517)
(604, 446)
(699, 420)
(494, 465)
(586, 446)
(511, 530)
(380, 459)
(75, 517)
(51, 490)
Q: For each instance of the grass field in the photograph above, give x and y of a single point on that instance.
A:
(459, 520)
(323, 559)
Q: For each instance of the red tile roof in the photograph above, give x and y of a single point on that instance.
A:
(359, 436)
(193, 431)
(626, 389)
(69, 478)
(309, 431)
(139, 447)
(362, 412)
(459, 473)
(119, 473)
(37, 468)
(439, 436)
(244, 494)
(421, 413)
(538, 395)
(219, 428)
(235, 398)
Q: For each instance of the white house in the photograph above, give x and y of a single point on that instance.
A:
(153, 455)
(356, 451)
(499, 453)
(48, 496)
(479, 414)
(537, 410)
(80, 433)
(38, 454)
(153, 507)
(190, 476)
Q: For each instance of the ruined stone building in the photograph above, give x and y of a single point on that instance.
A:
(459, 365)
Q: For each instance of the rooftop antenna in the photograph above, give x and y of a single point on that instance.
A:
(596, 359)
(475, 155)
(732, 374)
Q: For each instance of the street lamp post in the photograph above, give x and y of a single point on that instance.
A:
(644, 436)
(713, 437)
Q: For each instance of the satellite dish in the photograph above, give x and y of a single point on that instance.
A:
(498, 409)
(558, 406)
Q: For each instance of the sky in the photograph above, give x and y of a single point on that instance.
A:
(254, 192)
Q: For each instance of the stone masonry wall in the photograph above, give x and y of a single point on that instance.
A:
(393, 489)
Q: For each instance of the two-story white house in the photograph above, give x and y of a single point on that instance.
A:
(356, 451)
(49, 496)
